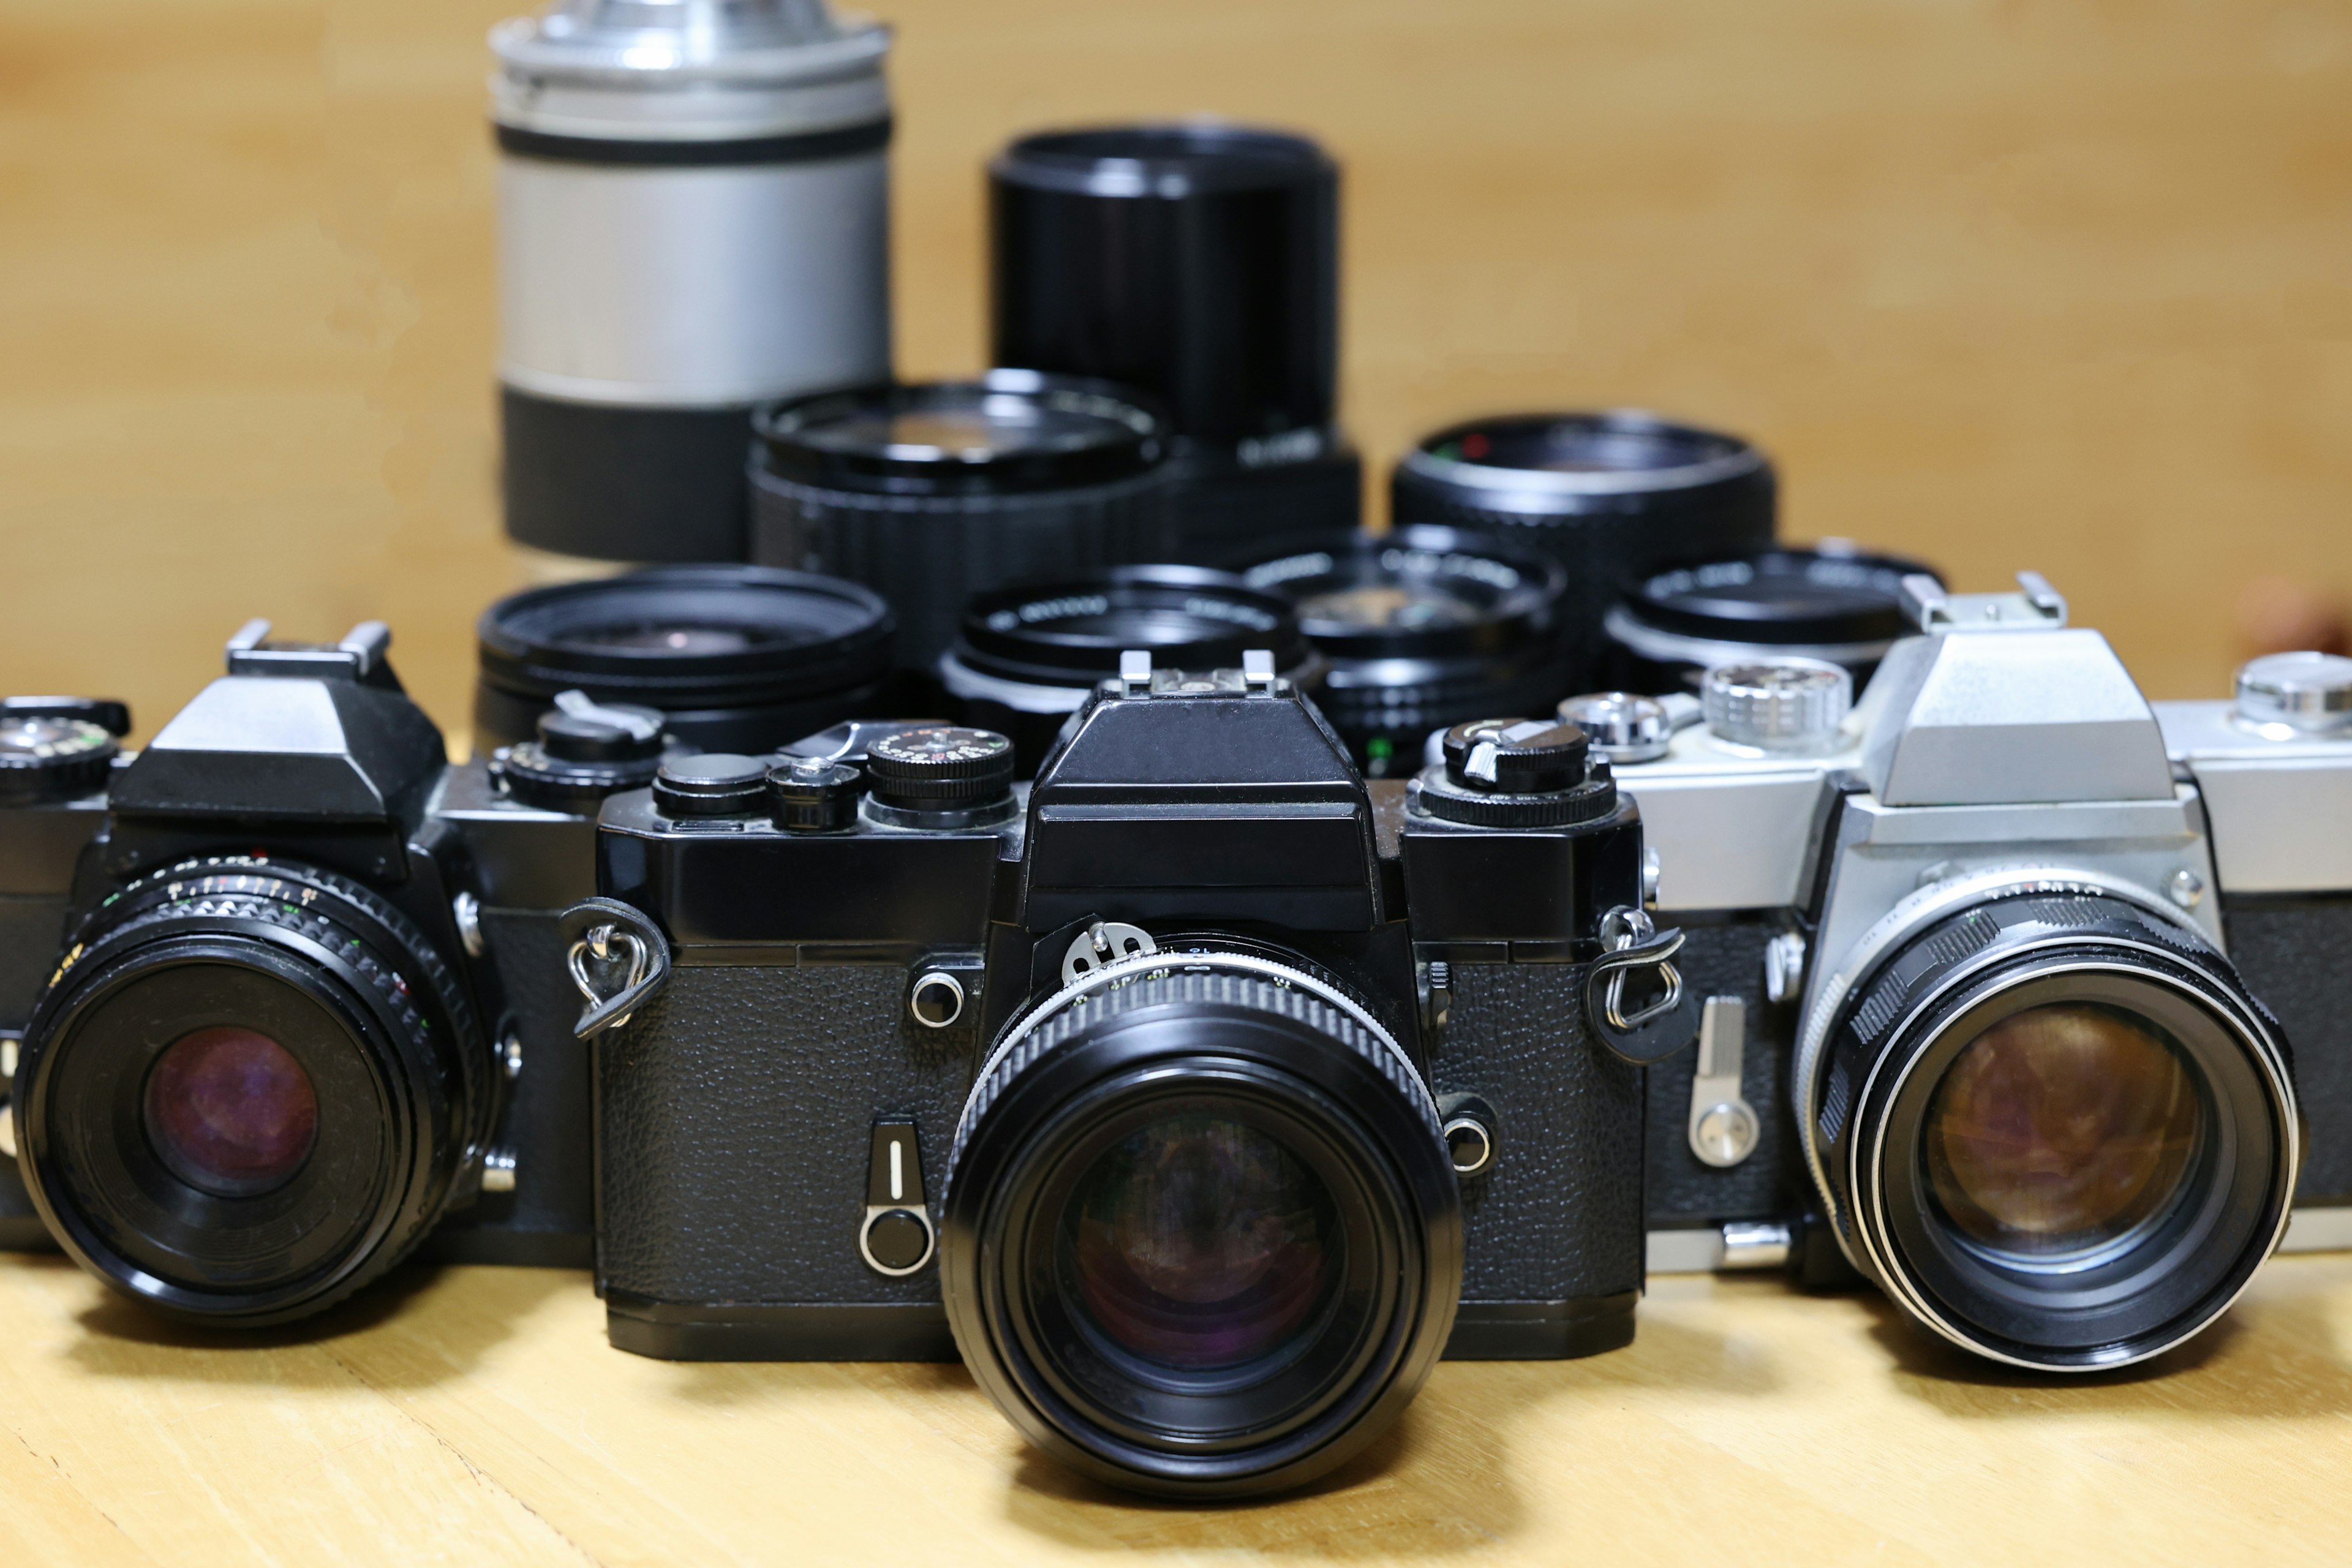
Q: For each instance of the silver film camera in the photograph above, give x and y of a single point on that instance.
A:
(1995, 966)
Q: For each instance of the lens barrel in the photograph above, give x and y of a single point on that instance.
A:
(1028, 656)
(249, 1090)
(1202, 1234)
(693, 218)
(1421, 628)
(931, 493)
(736, 658)
(1614, 496)
(2052, 1125)
(1201, 263)
(1840, 606)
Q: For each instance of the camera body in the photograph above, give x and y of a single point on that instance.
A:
(290, 931)
(1882, 909)
(880, 1030)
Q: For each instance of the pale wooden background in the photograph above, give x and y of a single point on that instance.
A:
(2005, 284)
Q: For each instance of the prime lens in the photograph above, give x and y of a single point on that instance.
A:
(1202, 1234)
(248, 1090)
(1614, 496)
(1200, 262)
(2052, 1124)
(693, 218)
(1831, 602)
(736, 658)
(931, 493)
(1421, 628)
(1027, 657)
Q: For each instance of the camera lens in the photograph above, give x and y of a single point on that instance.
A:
(1199, 1244)
(231, 1111)
(932, 493)
(735, 658)
(1422, 628)
(693, 218)
(2060, 1129)
(1029, 655)
(2053, 1125)
(1201, 1232)
(1833, 605)
(1614, 496)
(1201, 263)
(248, 1090)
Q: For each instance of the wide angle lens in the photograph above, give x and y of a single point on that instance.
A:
(231, 1111)
(1199, 1243)
(2061, 1129)
(736, 658)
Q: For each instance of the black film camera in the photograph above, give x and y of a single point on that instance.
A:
(289, 990)
(1199, 1095)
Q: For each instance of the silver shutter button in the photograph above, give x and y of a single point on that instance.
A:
(1621, 726)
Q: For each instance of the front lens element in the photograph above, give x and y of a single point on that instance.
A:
(2061, 1129)
(1200, 1244)
(230, 1113)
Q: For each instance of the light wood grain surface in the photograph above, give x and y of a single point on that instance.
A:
(477, 1416)
(2004, 284)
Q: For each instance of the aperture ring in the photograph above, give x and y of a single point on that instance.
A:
(1272, 987)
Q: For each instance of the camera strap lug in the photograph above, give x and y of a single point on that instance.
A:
(1652, 1032)
(617, 958)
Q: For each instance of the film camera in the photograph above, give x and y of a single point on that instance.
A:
(288, 987)
(1199, 1095)
(1968, 1021)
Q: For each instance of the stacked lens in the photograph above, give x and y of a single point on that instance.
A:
(1199, 263)
(731, 657)
(931, 493)
(1422, 628)
(1028, 656)
(1614, 496)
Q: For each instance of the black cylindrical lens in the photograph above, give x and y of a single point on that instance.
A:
(1201, 263)
(249, 1090)
(2056, 1128)
(1421, 628)
(1200, 1234)
(1028, 656)
(1828, 603)
(931, 493)
(735, 658)
(1614, 496)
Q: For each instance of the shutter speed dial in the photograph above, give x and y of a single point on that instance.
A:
(56, 747)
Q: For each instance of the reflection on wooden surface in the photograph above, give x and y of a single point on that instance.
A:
(477, 1415)
(2003, 285)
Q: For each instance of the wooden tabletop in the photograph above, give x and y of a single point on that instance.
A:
(477, 1416)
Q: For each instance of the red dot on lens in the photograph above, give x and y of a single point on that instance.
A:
(1474, 445)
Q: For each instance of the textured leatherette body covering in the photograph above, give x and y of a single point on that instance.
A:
(1727, 960)
(737, 1113)
(1559, 1217)
(2296, 955)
